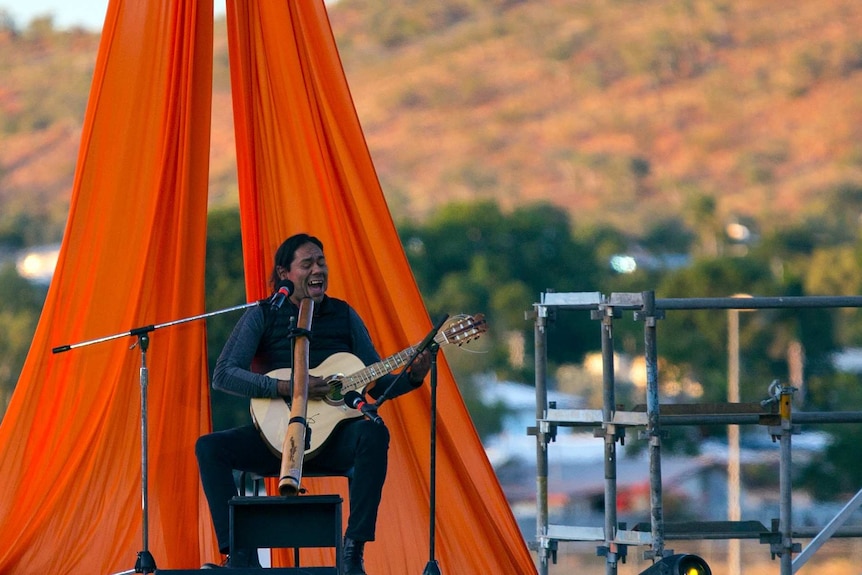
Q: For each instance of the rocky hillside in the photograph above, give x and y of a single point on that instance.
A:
(622, 112)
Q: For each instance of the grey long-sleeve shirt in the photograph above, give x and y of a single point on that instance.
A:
(237, 373)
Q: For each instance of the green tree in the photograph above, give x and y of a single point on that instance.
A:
(472, 256)
(225, 288)
(20, 304)
(690, 339)
(838, 271)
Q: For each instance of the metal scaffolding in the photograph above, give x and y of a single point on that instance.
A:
(610, 423)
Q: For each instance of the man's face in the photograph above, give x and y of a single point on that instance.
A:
(308, 272)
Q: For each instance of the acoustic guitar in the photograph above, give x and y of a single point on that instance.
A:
(344, 372)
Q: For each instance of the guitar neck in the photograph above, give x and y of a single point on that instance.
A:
(377, 370)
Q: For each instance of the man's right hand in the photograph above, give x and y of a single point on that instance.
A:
(318, 387)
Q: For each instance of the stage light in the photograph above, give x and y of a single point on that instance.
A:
(679, 565)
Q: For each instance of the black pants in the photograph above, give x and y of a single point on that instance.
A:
(359, 444)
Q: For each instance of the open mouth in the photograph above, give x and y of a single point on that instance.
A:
(315, 285)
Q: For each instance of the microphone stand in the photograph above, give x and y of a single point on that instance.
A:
(432, 567)
(145, 562)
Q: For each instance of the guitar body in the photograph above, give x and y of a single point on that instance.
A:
(344, 372)
(271, 416)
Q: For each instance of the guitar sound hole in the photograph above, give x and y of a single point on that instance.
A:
(334, 397)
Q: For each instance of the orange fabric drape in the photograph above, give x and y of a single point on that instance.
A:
(132, 256)
(304, 166)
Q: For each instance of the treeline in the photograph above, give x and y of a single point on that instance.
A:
(476, 258)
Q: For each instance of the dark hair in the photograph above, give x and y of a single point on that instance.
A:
(287, 250)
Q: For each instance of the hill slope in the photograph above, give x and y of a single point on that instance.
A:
(621, 112)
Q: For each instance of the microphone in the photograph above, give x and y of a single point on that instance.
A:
(284, 291)
(355, 400)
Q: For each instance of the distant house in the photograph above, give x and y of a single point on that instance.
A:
(691, 488)
(37, 264)
(848, 360)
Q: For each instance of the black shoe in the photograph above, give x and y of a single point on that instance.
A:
(221, 565)
(239, 559)
(352, 555)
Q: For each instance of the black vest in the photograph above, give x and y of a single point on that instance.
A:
(330, 333)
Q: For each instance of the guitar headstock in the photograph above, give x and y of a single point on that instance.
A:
(461, 329)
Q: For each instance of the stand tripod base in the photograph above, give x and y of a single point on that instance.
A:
(431, 568)
(145, 563)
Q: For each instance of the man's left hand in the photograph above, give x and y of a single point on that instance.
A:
(419, 369)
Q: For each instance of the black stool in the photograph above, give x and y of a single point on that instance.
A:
(293, 522)
(297, 521)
